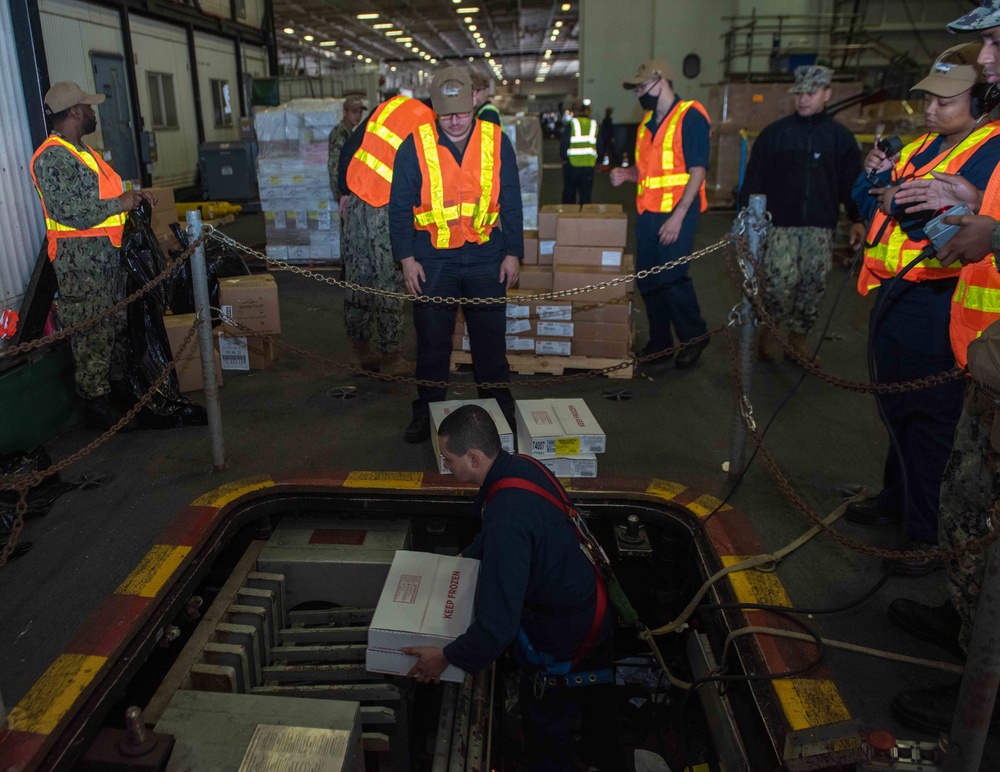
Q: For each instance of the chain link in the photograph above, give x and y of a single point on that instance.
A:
(449, 300)
(145, 289)
(22, 483)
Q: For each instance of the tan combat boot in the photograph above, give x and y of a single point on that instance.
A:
(798, 343)
(767, 345)
(395, 364)
(362, 356)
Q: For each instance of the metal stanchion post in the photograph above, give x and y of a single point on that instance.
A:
(755, 226)
(199, 278)
(978, 692)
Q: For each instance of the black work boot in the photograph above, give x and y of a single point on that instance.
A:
(100, 414)
(935, 624)
(418, 430)
(931, 710)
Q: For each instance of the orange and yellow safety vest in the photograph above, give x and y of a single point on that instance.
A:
(369, 174)
(109, 186)
(887, 247)
(659, 159)
(976, 302)
(459, 203)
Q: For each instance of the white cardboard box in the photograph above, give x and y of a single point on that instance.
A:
(561, 427)
(582, 465)
(427, 600)
(441, 409)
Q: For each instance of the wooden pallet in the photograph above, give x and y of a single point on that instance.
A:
(531, 364)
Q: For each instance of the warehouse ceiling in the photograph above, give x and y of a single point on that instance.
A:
(508, 38)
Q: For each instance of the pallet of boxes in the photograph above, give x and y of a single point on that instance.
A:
(573, 247)
(301, 219)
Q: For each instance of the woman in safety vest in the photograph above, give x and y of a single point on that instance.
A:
(908, 328)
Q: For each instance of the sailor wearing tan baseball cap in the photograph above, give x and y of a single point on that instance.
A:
(451, 91)
(66, 94)
(954, 72)
(654, 68)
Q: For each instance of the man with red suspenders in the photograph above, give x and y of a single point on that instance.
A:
(536, 587)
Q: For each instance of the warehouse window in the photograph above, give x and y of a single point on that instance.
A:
(161, 98)
(222, 106)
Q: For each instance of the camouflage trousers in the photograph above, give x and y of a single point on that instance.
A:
(91, 281)
(969, 489)
(796, 261)
(367, 255)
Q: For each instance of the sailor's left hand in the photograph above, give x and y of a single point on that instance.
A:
(431, 663)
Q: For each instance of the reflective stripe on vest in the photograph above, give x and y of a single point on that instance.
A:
(663, 176)
(976, 302)
(109, 186)
(894, 248)
(369, 173)
(488, 108)
(459, 204)
(583, 143)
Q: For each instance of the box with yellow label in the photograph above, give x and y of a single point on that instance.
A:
(562, 427)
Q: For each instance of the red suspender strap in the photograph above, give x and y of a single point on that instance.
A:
(564, 506)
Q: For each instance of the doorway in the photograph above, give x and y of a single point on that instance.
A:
(116, 122)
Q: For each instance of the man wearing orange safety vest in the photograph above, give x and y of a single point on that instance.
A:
(971, 484)
(908, 336)
(456, 224)
(366, 170)
(671, 161)
(85, 208)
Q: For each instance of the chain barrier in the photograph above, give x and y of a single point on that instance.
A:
(583, 374)
(859, 546)
(112, 310)
(859, 387)
(22, 483)
(437, 299)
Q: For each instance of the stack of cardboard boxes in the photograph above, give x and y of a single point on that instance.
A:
(301, 218)
(562, 434)
(164, 214)
(573, 247)
(252, 302)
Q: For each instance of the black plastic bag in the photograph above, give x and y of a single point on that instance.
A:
(40, 498)
(221, 261)
(147, 350)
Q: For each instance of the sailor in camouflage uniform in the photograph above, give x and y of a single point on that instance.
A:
(85, 209)
(354, 109)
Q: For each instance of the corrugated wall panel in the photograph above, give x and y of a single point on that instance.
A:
(21, 220)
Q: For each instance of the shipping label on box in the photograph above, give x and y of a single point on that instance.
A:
(516, 343)
(563, 427)
(234, 354)
(555, 329)
(427, 600)
(549, 347)
(519, 326)
(518, 311)
(581, 465)
(277, 251)
(546, 247)
(440, 410)
(550, 312)
(252, 302)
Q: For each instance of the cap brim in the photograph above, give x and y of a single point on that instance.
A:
(633, 83)
(942, 87)
(979, 19)
(93, 99)
(801, 89)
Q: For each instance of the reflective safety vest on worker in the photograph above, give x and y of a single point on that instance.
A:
(976, 302)
(369, 174)
(888, 248)
(109, 186)
(583, 143)
(659, 159)
(458, 203)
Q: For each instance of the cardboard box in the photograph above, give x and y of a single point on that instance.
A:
(530, 248)
(535, 277)
(605, 257)
(551, 329)
(252, 301)
(572, 277)
(553, 347)
(601, 209)
(605, 349)
(553, 311)
(246, 353)
(602, 331)
(592, 230)
(562, 427)
(188, 368)
(439, 410)
(581, 465)
(516, 343)
(427, 600)
(615, 312)
(548, 216)
(165, 211)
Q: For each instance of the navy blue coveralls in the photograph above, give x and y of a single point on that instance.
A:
(470, 271)
(669, 296)
(908, 332)
(534, 575)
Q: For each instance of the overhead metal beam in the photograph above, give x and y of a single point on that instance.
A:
(183, 15)
(32, 65)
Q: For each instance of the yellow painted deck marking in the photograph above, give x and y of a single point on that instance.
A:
(54, 693)
(232, 491)
(753, 586)
(665, 489)
(810, 702)
(408, 480)
(153, 571)
(704, 505)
